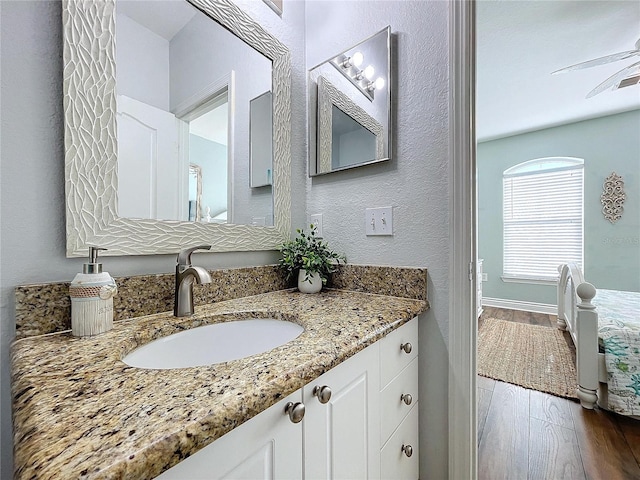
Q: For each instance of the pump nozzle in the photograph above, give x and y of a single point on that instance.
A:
(93, 266)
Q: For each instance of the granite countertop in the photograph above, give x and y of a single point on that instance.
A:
(80, 412)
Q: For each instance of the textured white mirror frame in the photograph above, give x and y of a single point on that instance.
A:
(91, 146)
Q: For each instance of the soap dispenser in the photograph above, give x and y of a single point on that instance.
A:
(91, 295)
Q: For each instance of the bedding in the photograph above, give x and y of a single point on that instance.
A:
(619, 331)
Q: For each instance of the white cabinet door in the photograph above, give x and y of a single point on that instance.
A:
(269, 446)
(342, 436)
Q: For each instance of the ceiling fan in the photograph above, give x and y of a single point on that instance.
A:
(614, 80)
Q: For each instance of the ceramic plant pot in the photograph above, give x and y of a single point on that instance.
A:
(311, 285)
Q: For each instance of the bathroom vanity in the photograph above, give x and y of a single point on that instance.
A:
(360, 421)
(80, 412)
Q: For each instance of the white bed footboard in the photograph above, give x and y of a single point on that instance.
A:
(578, 315)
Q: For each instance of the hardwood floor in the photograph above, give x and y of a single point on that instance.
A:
(526, 434)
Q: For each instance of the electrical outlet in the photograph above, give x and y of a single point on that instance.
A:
(485, 277)
(316, 220)
(379, 221)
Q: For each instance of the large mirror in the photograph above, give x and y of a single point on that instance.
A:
(159, 128)
(350, 107)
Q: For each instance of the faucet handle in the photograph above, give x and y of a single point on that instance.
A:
(184, 257)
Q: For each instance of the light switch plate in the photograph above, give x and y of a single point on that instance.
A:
(379, 221)
(316, 219)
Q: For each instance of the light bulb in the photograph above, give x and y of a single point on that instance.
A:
(357, 59)
(368, 72)
(353, 61)
(378, 84)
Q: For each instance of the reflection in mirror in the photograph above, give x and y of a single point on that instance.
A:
(93, 214)
(206, 128)
(346, 133)
(261, 140)
(181, 101)
(195, 192)
(351, 93)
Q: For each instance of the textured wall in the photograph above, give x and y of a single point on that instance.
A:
(414, 182)
(32, 239)
(611, 251)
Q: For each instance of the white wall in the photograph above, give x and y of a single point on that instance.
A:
(139, 51)
(414, 182)
(32, 207)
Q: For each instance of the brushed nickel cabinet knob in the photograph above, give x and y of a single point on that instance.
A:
(295, 411)
(406, 347)
(406, 398)
(408, 450)
(323, 393)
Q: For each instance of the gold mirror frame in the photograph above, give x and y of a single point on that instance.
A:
(91, 145)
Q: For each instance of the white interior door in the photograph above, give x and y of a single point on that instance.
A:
(150, 176)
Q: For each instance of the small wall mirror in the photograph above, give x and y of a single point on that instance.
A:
(260, 139)
(350, 107)
(159, 98)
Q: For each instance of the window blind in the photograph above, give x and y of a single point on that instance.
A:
(542, 218)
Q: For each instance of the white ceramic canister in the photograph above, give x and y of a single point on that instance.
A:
(92, 293)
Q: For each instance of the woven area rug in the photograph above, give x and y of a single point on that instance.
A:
(531, 356)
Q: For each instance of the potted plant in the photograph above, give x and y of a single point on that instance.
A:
(310, 258)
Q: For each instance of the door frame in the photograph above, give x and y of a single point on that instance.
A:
(463, 449)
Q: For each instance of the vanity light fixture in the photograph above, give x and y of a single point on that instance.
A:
(349, 65)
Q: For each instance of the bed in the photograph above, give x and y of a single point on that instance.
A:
(605, 328)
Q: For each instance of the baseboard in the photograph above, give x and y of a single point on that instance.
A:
(519, 305)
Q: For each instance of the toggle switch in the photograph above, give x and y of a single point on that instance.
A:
(379, 221)
(316, 220)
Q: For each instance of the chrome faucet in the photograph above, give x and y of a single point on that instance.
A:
(185, 276)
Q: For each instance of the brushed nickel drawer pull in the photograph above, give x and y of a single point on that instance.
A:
(406, 347)
(408, 450)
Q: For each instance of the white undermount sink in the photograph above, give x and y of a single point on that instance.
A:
(211, 344)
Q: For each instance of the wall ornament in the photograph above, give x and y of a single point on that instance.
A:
(613, 197)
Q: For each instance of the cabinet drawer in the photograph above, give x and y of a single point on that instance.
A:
(392, 407)
(394, 463)
(392, 358)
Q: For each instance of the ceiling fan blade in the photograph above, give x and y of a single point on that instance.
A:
(599, 61)
(613, 80)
